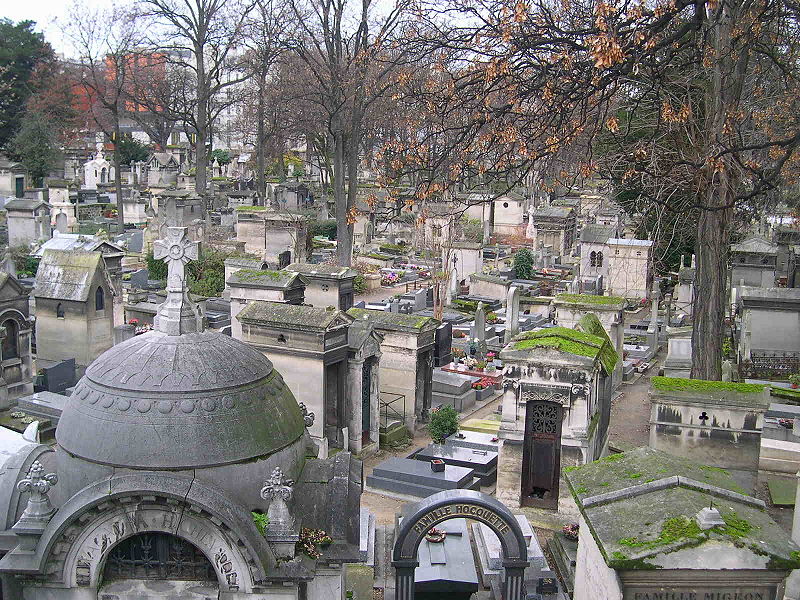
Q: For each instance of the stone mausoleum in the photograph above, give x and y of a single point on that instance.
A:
(168, 450)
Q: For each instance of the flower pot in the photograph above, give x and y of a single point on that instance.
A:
(795, 386)
(437, 465)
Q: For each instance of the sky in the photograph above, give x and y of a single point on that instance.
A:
(44, 12)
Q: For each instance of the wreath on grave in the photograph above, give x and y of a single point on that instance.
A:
(435, 536)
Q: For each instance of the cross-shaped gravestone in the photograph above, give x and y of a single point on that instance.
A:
(177, 314)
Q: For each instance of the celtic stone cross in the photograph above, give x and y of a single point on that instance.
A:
(38, 484)
(177, 315)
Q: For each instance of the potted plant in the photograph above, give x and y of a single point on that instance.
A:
(794, 380)
(480, 365)
(490, 356)
(437, 465)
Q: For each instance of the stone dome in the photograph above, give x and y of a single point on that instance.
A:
(196, 400)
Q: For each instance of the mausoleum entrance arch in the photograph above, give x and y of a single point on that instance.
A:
(460, 504)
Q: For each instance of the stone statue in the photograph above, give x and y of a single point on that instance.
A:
(177, 315)
(308, 417)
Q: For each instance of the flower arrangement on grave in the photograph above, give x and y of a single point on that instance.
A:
(571, 531)
(794, 380)
(140, 329)
(133, 322)
(491, 369)
(490, 356)
(459, 334)
(23, 417)
(787, 423)
(457, 353)
(470, 362)
(389, 279)
(492, 318)
(435, 536)
(309, 541)
(482, 384)
(481, 365)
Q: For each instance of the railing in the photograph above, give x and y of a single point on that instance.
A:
(389, 410)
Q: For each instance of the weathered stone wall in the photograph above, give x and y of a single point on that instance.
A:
(593, 577)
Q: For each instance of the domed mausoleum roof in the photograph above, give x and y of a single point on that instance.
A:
(161, 401)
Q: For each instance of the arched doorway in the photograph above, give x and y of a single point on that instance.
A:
(460, 504)
(157, 565)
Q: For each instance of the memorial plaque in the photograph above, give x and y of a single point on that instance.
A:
(711, 592)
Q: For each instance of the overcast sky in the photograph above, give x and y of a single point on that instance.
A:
(44, 12)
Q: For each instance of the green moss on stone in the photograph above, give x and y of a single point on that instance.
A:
(590, 299)
(679, 384)
(570, 341)
(673, 530)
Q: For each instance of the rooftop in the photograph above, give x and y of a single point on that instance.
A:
(395, 321)
(24, 204)
(752, 395)
(76, 241)
(641, 505)
(597, 233)
(264, 278)
(66, 274)
(557, 212)
(292, 316)
(626, 242)
(569, 341)
(755, 245)
(590, 300)
(328, 271)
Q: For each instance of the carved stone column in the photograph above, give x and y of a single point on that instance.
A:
(355, 374)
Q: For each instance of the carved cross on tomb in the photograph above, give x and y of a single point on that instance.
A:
(177, 315)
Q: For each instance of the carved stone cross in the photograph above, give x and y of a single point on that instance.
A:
(177, 314)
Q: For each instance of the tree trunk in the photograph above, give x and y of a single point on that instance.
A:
(201, 157)
(261, 182)
(713, 233)
(340, 200)
(118, 177)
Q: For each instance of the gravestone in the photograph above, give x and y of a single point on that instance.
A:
(483, 462)
(478, 332)
(443, 348)
(473, 440)
(411, 477)
(48, 405)
(512, 314)
(123, 332)
(420, 299)
(60, 376)
(452, 288)
(453, 389)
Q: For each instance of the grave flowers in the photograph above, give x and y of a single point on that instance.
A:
(490, 356)
(794, 380)
(570, 531)
(482, 384)
(310, 539)
(435, 536)
(470, 362)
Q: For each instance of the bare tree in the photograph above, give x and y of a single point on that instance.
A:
(108, 41)
(351, 51)
(203, 37)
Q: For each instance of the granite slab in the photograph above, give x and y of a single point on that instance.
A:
(483, 462)
(473, 440)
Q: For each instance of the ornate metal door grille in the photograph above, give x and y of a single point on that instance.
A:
(158, 556)
(541, 455)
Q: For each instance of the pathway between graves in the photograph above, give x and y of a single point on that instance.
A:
(383, 507)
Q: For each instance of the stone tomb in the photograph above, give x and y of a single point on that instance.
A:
(447, 568)
(688, 533)
(716, 422)
(483, 462)
(473, 440)
(780, 439)
(408, 477)
(453, 389)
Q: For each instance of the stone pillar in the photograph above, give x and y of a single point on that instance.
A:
(354, 385)
(796, 522)
(512, 314)
(514, 585)
(375, 400)
(404, 579)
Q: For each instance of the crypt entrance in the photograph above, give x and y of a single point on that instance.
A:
(157, 565)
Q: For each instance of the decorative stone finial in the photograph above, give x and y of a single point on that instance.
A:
(308, 417)
(282, 532)
(39, 508)
(709, 517)
(177, 315)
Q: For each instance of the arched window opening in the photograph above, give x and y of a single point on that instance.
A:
(99, 299)
(158, 556)
(60, 311)
(11, 341)
(593, 259)
(103, 175)
(599, 259)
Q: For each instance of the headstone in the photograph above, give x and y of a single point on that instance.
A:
(483, 462)
(123, 332)
(8, 266)
(727, 370)
(415, 478)
(61, 223)
(452, 287)
(443, 345)
(479, 333)
(512, 314)
(60, 376)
